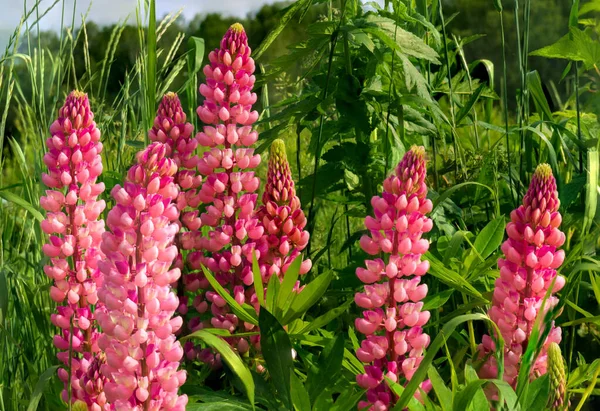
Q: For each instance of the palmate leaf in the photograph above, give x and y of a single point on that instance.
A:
(406, 43)
(575, 46)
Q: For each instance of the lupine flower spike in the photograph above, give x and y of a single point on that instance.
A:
(282, 217)
(557, 400)
(142, 354)
(170, 127)
(229, 187)
(73, 208)
(531, 257)
(393, 319)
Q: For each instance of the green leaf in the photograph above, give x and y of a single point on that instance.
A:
(311, 293)
(40, 386)
(443, 393)
(277, 351)
(463, 398)
(151, 62)
(413, 403)
(324, 372)
(466, 109)
(498, 5)
(347, 402)
(480, 401)
(326, 318)
(272, 291)
(534, 85)
(245, 313)
(283, 21)
(232, 359)
(435, 345)
(196, 53)
(453, 248)
(573, 15)
(300, 397)
(406, 42)
(285, 291)
(436, 300)
(3, 296)
(259, 287)
(446, 194)
(575, 46)
(537, 394)
(449, 277)
(591, 200)
(490, 238)
(18, 201)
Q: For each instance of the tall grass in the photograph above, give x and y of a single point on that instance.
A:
(371, 84)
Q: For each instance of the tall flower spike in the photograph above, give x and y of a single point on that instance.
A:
(393, 319)
(557, 400)
(229, 187)
(527, 271)
(282, 218)
(170, 127)
(142, 354)
(72, 212)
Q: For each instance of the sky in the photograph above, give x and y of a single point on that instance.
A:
(110, 11)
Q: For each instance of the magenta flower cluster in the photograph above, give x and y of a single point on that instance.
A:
(72, 221)
(282, 218)
(393, 318)
(228, 189)
(527, 271)
(142, 354)
(170, 127)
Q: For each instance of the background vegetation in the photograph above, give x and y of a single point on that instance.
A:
(349, 86)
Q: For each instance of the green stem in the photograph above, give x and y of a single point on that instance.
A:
(311, 216)
(450, 94)
(505, 104)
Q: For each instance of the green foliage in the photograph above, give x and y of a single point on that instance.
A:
(349, 87)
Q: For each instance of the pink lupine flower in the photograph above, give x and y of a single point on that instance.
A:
(527, 271)
(393, 318)
(229, 187)
(281, 217)
(72, 221)
(142, 354)
(170, 127)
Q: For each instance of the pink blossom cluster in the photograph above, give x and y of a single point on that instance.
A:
(393, 318)
(228, 188)
(282, 217)
(72, 212)
(170, 127)
(527, 271)
(142, 354)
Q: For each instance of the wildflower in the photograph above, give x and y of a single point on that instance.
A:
(282, 217)
(558, 382)
(142, 354)
(527, 271)
(229, 186)
(72, 221)
(170, 127)
(393, 316)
